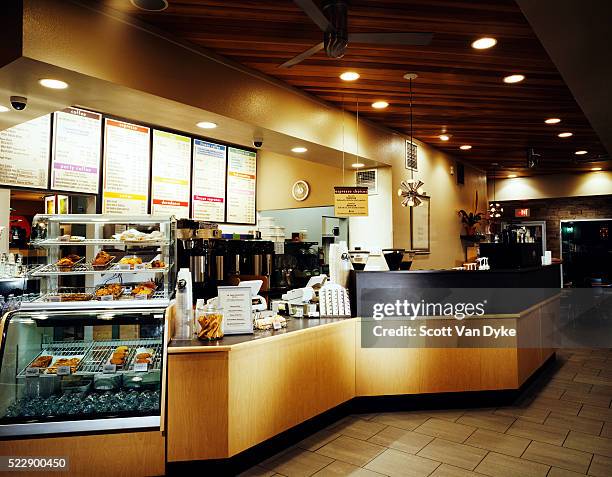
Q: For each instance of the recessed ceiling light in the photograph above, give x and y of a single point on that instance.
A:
(596, 168)
(512, 176)
(565, 134)
(514, 79)
(581, 152)
(484, 43)
(380, 104)
(299, 149)
(206, 125)
(465, 147)
(3, 109)
(357, 165)
(349, 76)
(150, 5)
(444, 137)
(552, 121)
(53, 83)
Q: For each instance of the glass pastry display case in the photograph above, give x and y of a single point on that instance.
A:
(66, 371)
(112, 260)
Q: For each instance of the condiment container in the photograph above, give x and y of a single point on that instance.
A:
(211, 323)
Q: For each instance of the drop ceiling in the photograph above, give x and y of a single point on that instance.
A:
(459, 90)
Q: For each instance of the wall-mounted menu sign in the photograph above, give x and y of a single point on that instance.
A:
(208, 198)
(350, 201)
(126, 168)
(171, 174)
(75, 158)
(24, 154)
(241, 181)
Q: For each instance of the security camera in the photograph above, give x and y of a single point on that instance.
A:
(19, 102)
(258, 142)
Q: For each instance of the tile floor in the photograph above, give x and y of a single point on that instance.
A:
(560, 427)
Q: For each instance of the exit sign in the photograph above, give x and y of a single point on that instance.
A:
(521, 212)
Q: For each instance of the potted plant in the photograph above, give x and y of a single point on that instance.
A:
(470, 220)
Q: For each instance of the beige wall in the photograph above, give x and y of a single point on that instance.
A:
(554, 185)
(447, 197)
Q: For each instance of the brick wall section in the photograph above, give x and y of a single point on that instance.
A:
(557, 209)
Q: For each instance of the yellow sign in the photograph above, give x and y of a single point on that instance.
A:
(351, 201)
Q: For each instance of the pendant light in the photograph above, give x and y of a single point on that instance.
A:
(495, 209)
(409, 189)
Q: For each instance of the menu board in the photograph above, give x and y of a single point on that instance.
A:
(241, 180)
(171, 174)
(208, 198)
(75, 158)
(126, 168)
(24, 153)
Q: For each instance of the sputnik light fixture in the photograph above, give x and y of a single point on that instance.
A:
(409, 189)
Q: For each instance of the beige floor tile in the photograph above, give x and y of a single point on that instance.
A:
(450, 431)
(366, 416)
(557, 472)
(602, 389)
(318, 440)
(459, 455)
(534, 414)
(401, 439)
(588, 443)
(538, 432)
(257, 471)
(358, 428)
(607, 430)
(498, 465)
(446, 470)
(596, 412)
(395, 463)
(601, 466)
(486, 420)
(497, 442)
(574, 423)
(549, 392)
(593, 399)
(585, 378)
(403, 420)
(570, 385)
(299, 462)
(338, 469)
(556, 405)
(446, 414)
(353, 451)
(557, 456)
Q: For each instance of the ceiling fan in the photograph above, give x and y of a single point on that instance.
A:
(333, 20)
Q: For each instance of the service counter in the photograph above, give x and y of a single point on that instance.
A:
(226, 397)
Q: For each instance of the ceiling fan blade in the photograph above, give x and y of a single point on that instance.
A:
(302, 56)
(316, 15)
(408, 38)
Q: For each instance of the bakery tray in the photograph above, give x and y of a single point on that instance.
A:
(101, 351)
(60, 350)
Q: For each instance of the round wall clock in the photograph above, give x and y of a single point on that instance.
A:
(300, 190)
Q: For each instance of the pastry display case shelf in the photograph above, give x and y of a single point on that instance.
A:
(64, 298)
(88, 269)
(108, 242)
(93, 355)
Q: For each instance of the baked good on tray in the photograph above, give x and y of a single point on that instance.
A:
(41, 362)
(113, 289)
(102, 259)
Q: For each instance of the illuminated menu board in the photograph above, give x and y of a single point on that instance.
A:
(241, 181)
(75, 158)
(126, 168)
(208, 197)
(24, 154)
(171, 174)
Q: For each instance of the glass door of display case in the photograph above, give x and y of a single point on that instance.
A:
(75, 371)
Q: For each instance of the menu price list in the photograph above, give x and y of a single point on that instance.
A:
(126, 168)
(75, 163)
(24, 153)
(171, 174)
(209, 166)
(241, 182)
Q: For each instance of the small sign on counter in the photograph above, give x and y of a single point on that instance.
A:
(236, 303)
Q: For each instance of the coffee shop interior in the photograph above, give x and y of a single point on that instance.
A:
(199, 201)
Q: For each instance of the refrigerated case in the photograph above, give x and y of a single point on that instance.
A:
(146, 243)
(536, 229)
(108, 376)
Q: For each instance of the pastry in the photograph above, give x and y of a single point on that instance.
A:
(75, 297)
(118, 361)
(142, 290)
(113, 289)
(143, 355)
(41, 362)
(102, 259)
(157, 264)
(143, 361)
(131, 261)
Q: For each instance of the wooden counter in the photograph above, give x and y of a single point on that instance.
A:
(227, 397)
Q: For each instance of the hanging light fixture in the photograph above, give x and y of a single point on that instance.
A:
(495, 209)
(409, 189)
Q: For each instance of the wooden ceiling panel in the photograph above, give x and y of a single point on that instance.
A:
(459, 90)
